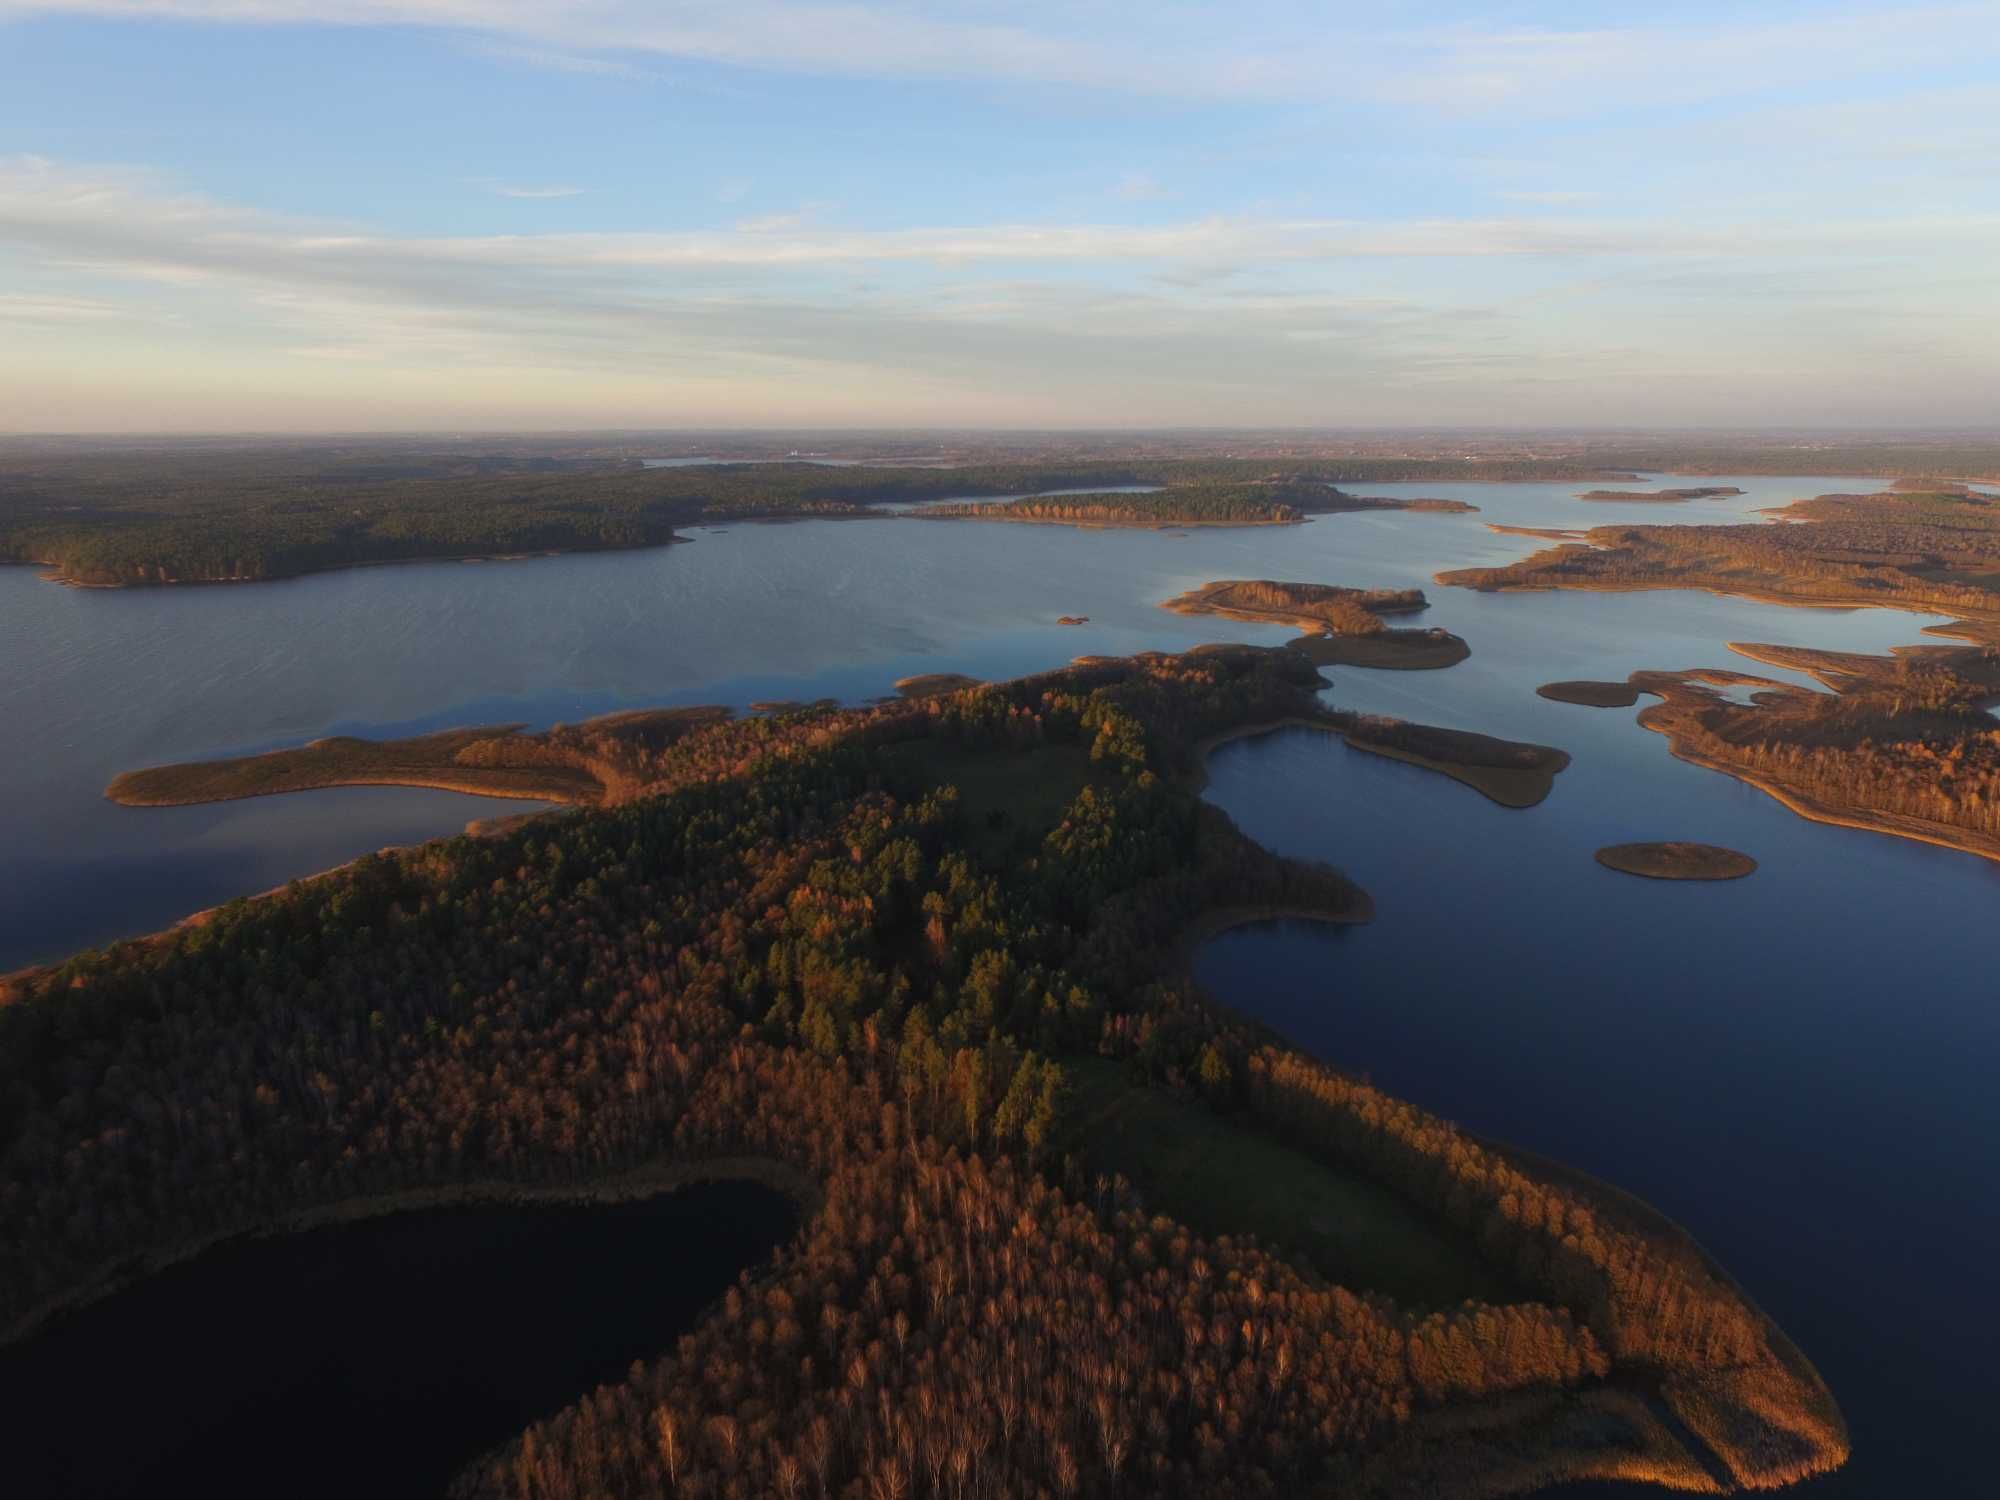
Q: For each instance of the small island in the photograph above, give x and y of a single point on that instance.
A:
(1677, 861)
(1073, 620)
(1345, 625)
(1671, 497)
(1590, 694)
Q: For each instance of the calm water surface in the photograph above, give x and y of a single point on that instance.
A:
(1798, 1067)
(376, 1358)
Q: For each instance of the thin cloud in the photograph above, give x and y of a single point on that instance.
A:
(976, 321)
(21, 309)
(1177, 52)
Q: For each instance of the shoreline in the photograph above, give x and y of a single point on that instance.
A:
(476, 828)
(1953, 624)
(634, 1184)
(1091, 525)
(1890, 825)
(536, 555)
(1386, 649)
(1516, 787)
(418, 780)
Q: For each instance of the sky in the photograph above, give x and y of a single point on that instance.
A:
(311, 215)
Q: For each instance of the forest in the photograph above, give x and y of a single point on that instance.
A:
(1903, 744)
(1271, 503)
(207, 515)
(876, 946)
(1923, 549)
(1345, 626)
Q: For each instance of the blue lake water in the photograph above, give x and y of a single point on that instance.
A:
(1799, 1067)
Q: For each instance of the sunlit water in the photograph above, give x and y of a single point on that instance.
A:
(1798, 1066)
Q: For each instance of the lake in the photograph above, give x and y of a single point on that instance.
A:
(1797, 1067)
(375, 1358)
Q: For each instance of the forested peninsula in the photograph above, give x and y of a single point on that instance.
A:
(1903, 744)
(920, 957)
(588, 763)
(1270, 502)
(116, 520)
(1935, 550)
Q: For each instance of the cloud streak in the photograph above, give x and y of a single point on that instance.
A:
(1202, 320)
(1268, 48)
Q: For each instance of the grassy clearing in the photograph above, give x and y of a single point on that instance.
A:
(1010, 801)
(1221, 1178)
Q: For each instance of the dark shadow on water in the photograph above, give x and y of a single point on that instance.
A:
(375, 1358)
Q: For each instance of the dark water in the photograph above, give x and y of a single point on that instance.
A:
(373, 1359)
(1800, 1067)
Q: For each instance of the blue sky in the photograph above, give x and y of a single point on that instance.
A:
(342, 214)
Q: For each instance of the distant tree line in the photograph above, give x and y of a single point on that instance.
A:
(207, 516)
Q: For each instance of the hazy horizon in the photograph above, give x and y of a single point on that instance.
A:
(303, 217)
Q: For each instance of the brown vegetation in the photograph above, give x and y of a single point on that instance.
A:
(815, 940)
(1927, 550)
(1346, 625)
(587, 764)
(1902, 745)
(1342, 503)
(1677, 861)
(1709, 492)
(1510, 772)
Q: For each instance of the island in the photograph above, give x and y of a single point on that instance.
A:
(1704, 492)
(1677, 861)
(1346, 626)
(921, 965)
(1262, 502)
(1073, 620)
(1590, 694)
